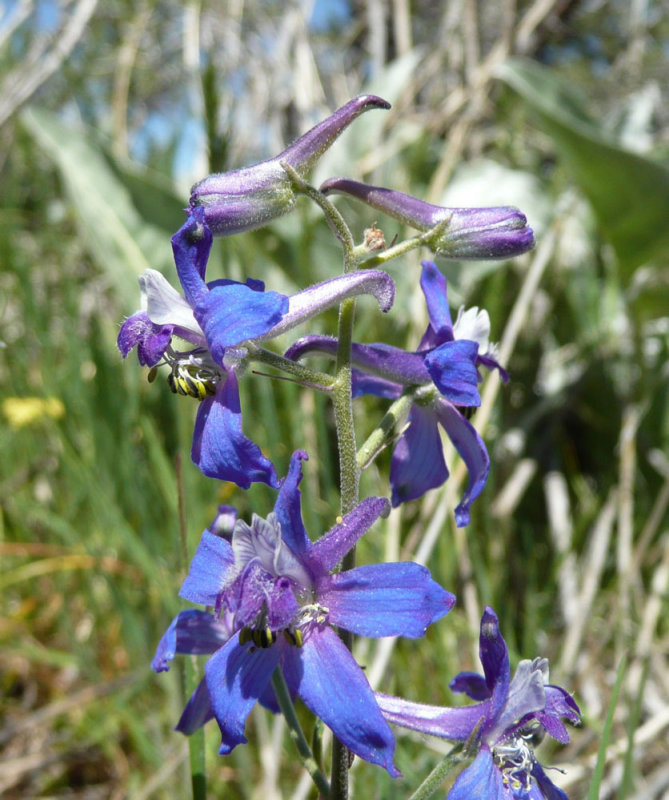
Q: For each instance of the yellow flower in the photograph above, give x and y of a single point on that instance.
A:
(21, 411)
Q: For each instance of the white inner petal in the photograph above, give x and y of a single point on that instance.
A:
(473, 324)
(262, 542)
(163, 304)
(526, 696)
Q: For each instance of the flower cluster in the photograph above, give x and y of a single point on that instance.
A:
(275, 601)
(273, 596)
(511, 714)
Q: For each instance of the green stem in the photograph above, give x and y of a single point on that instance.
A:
(438, 775)
(196, 742)
(349, 474)
(296, 733)
(306, 376)
(334, 219)
(382, 435)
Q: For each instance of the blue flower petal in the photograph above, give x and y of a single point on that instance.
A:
(288, 506)
(151, 340)
(234, 313)
(433, 284)
(198, 710)
(324, 555)
(494, 657)
(334, 687)
(481, 779)
(371, 384)
(191, 631)
(548, 789)
(210, 570)
(236, 677)
(472, 684)
(191, 245)
(491, 363)
(473, 452)
(417, 463)
(398, 599)
(220, 448)
(453, 369)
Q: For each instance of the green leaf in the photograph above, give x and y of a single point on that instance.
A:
(628, 192)
(119, 237)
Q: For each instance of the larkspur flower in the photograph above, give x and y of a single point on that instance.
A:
(275, 599)
(251, 197)
(505, 721)
(468, 233)
(445, 367)
(213, 321)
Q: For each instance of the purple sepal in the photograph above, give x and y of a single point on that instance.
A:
(288, 507)
(452, 367)
(236, 676)
(472, 684)
(398, 599)
(469, 233)
(198, 710)
(251, 197)
(312, 301)
(480, 779)
(559, 703)
(192, 631)
(233, 313)
(303, 153)
(493, 652)
(211, 570)
(220, 448)
(473, 452)
(369, 384)
(491, 363)
(417, 463)
(324, 554)
(434, 286)
(323, 672)
(449, 723)
(191, 246)
(151, 340)
(547, 789)
(382, 360)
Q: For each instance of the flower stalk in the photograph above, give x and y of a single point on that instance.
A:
(297, 734)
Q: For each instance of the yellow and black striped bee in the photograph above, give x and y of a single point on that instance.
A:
(189, 381)
(261, 637)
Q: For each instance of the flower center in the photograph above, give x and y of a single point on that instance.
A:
(515, 759)
(192, 373)
(261, 635)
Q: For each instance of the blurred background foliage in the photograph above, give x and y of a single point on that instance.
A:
(108, 112)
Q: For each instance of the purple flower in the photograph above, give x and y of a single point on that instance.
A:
(275, 601)
(445, 367)
(510, 713)
(469, 234)
(214, 320)
(251, 197)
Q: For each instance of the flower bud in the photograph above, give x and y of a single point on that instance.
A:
(468, 233)
(250, 197)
